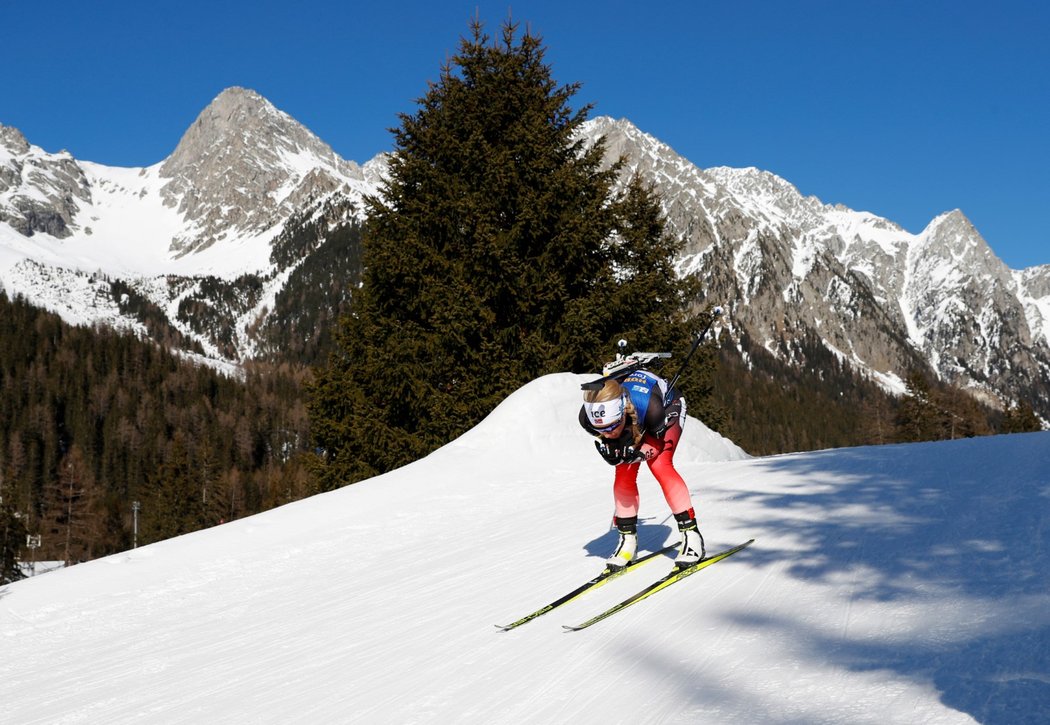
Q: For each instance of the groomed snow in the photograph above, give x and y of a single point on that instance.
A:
(894, 584)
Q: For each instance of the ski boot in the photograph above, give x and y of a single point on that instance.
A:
(692, 547)
(625, 550)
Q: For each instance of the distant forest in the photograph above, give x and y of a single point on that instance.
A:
(773, 407)
(95, 419)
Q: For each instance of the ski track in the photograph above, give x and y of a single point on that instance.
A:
(885, 585)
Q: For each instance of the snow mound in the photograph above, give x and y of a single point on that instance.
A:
(538, 421)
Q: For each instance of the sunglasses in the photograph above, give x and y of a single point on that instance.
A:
(610, 428)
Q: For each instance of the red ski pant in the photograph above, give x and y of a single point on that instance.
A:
(659, 455)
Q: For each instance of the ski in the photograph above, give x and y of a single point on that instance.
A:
(606, 576)
(666, 581)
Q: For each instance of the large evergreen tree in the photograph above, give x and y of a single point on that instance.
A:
(918, 418)
(499, 251)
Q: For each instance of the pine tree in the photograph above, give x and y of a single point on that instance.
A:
(1020, 418)
(215, 497)
(175, 504)
(12, 539)
(69, 514)
(499, 251)
(917, 416)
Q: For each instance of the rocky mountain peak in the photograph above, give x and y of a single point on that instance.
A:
(236, 107)
(238, 165)
(12, 140)
(39, 192)
(953, 237)
(950, 224)
(239, 122)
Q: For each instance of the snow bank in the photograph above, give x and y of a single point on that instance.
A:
(539, 422)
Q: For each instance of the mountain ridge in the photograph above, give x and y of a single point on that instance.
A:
(874, 292)
(786, 265)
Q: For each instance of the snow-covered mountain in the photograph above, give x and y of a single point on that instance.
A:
(790, 266)
(893, 584)
(201, 226)
(211, 210)
(212, 207)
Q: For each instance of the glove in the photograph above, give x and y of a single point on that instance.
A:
(630, 455)
(613, 455)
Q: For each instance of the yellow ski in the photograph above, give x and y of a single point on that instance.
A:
(675, 576)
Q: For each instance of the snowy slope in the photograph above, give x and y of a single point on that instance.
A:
(899, 584)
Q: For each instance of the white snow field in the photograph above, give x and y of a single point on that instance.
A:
(893, 584)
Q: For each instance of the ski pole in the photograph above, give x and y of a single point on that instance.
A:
(715, 314)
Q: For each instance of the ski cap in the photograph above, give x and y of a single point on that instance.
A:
(606, 414)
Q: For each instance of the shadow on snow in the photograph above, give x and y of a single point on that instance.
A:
(650, 538)
(958, 524)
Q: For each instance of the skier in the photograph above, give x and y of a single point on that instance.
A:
(640, 419)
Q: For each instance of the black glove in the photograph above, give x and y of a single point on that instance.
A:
(630, 455)
(612, 453)
(615, 454)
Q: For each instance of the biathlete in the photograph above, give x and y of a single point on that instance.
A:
(640, 419)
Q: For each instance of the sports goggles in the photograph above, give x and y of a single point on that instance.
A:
(610, 428)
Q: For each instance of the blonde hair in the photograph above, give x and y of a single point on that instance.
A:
(611, 391)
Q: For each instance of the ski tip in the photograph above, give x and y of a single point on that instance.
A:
(567, 628)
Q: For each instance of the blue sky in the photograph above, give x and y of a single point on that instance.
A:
(905, 109)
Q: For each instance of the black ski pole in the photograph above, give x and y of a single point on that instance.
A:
(715, 314)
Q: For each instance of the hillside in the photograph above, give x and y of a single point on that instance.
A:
(94, 420)
(896, 584)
